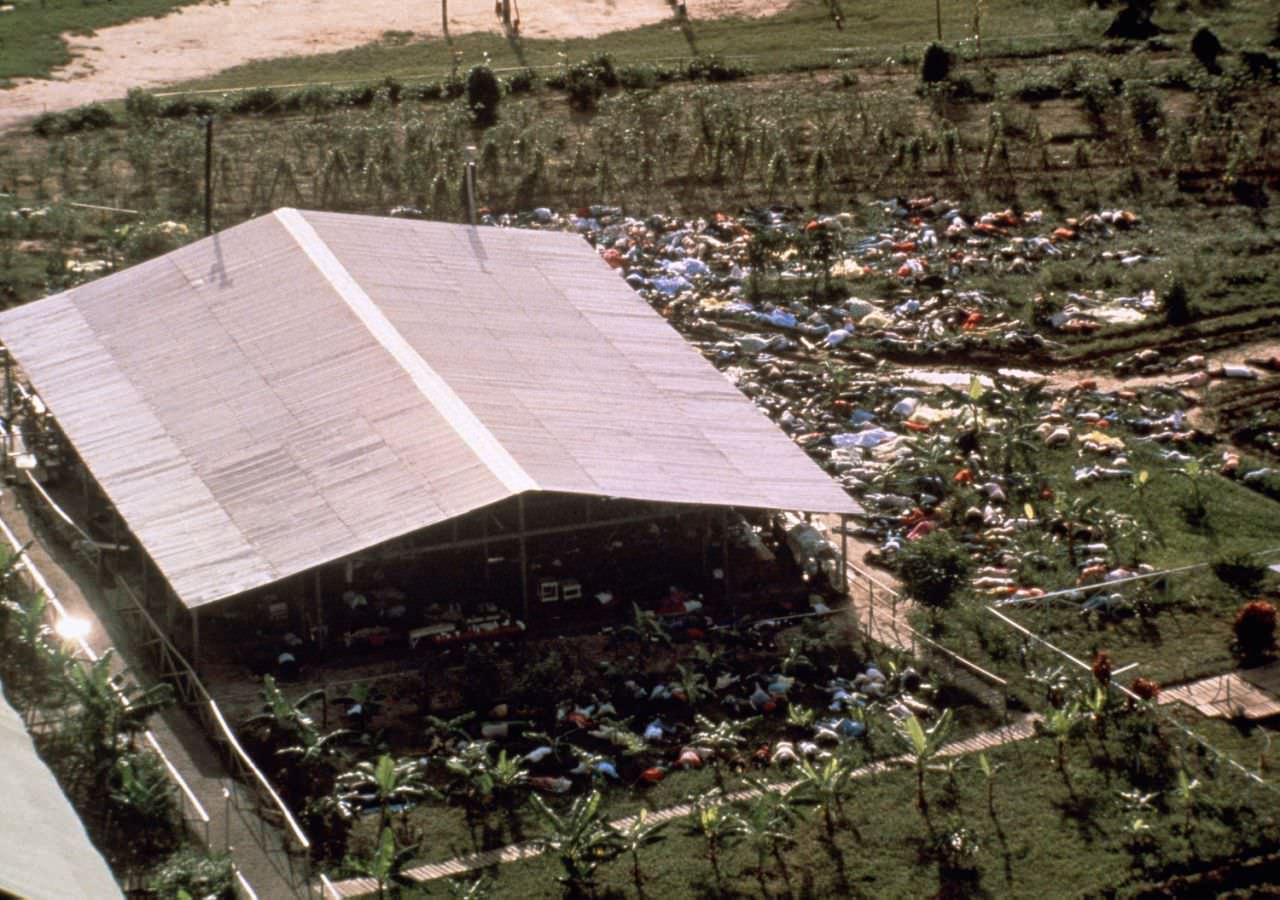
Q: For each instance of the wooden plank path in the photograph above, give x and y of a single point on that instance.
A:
(1248, 692)
(1017, 730)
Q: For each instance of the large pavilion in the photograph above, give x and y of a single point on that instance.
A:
(275, 408)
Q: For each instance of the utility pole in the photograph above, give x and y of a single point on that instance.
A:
(938, 5)
(208, 175)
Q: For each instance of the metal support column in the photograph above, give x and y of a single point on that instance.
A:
(724, 557)
(195, 640)
(524, 562)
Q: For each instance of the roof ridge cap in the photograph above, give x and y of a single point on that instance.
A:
(433, 386)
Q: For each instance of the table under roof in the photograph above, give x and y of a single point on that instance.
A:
(307, 385)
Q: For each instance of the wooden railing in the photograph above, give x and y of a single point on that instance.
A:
(194, 816)
(289, 850)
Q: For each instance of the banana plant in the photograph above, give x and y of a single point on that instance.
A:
(385, 781)
(1061, 723)
(579, 838)
(108, 713)
(141, 801)
(283, 722)
(826, 783)
(769, 823)
(717, 824)
(722, 738)
(923, 744)
(485, 779)
(441, 733)
(636, 833)
(34, 659)
(1185, 792)
(386, 864)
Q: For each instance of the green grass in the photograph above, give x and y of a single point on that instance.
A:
(1176, 631)
(1045, 835)
(802, 37)
(31, 42)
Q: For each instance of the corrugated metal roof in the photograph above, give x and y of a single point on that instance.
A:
(306, 385)
(44, 851)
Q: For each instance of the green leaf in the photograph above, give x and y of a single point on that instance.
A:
(916, 732)
(976, 390)
(1144, 476)
(984, 764)
(1029, 510)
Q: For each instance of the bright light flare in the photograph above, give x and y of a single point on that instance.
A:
(72, 628)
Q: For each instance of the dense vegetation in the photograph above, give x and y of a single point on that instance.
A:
(1115, 794)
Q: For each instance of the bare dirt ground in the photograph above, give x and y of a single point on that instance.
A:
(197, 41)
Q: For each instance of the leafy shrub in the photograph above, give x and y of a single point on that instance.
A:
(196, 874)
(50, 124)
(1261, 66)
(1255, 632)
(454, 87)
(180, 107)
(638, 77)
(141, 106)
(89, 116)
(1144, 110)
(314, 98)
(1036, 90)
(713, 68)
(256, 100)
(1177, 306)
(1206, 47)
(92, 115)
(1240, 573)
(522, 82)
(602, 64)
(357, 95)
(428, 90)
(483, 94)
(937, 64)
(144, 240)
(584, 86)
(933, 568)
(394, 88)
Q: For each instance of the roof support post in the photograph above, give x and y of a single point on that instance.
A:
(844, 555)
(8, 409)
(724, 557)
(195, 640)
(524, 562)
(319, 600)
(170, 601)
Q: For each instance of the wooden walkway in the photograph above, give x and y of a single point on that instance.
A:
(1017, 730)
(183, 741)
(1252, 693)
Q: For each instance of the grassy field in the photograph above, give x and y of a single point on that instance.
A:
(808, 120)
(1044, 832)
(802, 37)
(31, 43)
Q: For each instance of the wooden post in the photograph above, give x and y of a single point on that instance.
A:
(524, 562)
(319, 599)
(724, 556)
(8, 410)
(195, 640)
(844, 554)
(208, 175)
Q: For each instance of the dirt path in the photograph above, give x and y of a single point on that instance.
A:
(197, 41)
